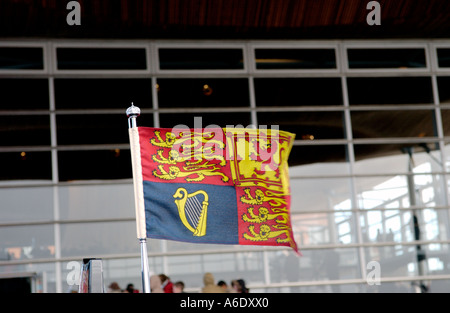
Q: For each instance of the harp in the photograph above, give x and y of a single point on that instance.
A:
(192, 210)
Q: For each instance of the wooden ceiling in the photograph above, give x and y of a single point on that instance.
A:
(226, 19)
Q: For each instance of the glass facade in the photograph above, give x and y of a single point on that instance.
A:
(369, 170)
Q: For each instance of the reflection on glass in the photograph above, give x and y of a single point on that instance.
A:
(111, 164)
(444, 90)
(13, 58)
(443, 55)
(187, 268)
(387, 58)
(389, 90)
(295, 58)
(200, 59)
(24, 94)
(379, 124)
(306, 125)
(316, 194)
(224, 266)
(397, 261)
(89, 202)
(310, 154)
(298, 91)
(85, 239)
(25, 165)
(101, 59)
(394, 158)
(315, 265)
(92, 129)
(445, 116)
(25, 130)
(27, 242)
(71, 93)
(323, 228)
(345, 288)
(392, 192)
(203, 92)
(20, 208)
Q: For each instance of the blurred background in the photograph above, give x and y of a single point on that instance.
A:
(370, 107)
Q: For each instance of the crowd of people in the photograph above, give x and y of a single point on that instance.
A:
(162, 284)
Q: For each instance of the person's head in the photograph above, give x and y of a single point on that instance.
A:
(130, 288)
(163, 278)
(208, 279)
(114, 287)
(155, 284)
(178, 287)
(239, 286)
(222, 284)
(242, 287)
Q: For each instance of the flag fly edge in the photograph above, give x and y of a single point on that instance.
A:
(137, 182)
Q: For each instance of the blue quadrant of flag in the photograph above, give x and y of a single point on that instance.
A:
(163, 220)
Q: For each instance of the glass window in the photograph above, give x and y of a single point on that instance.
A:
(306, 125)
(295, 58)
(25, 130)
(443, 55)
(378, 124)
(205, 92)
(200, 59)
(36, 205)
(309, 154)
(198, 120)
(94, 164)
(86, 239)
(101, 59)
(390, 90)
(394, 158)
(392, 192)
(28, 242)
(226, 266)
(94, 128)
(323, 228)
(394, 264)
(89, 202)
(318, 194)
(24, 94)
(327, 288)
(13, 58)
(102, 93)
(298, 91)
(315, 265)
(386, 58)
(443, 83)
(127, 270)
(25, 165)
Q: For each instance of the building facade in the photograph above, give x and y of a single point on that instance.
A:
(369, 169)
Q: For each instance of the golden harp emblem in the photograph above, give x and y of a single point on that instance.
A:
(192, 210)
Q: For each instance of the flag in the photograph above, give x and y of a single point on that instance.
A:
(213, 185)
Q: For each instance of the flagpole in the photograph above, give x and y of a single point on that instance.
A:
(132, 113)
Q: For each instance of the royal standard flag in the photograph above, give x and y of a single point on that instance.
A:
(213, 185)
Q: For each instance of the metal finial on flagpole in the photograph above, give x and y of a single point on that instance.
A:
(133, 112)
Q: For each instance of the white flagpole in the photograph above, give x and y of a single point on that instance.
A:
(133, 112)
